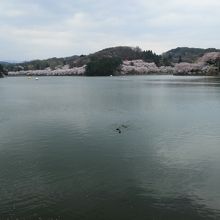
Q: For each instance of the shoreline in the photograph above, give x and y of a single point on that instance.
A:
(122, 75)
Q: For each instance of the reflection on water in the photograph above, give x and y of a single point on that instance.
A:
(62, 157)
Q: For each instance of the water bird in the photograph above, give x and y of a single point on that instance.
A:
(36, 78)
(119, 130)
(121, 127)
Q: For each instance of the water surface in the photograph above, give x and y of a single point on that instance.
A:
(61, 156)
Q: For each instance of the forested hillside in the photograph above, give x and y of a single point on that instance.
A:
(186, 54)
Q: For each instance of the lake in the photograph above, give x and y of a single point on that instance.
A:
(108, 148)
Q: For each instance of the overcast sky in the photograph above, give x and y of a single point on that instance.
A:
(31, 29)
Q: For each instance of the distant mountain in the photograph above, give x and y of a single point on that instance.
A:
(4, 63)
(9, 62)
(51, 63)
(186, 54)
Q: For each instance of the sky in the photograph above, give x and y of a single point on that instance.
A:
(38, 29)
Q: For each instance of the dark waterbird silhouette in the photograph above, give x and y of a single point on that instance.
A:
(119, 130)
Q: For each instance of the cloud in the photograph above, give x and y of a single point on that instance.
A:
(44, 28)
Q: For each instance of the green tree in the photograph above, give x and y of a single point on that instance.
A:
(104, 66)
(218, 64)
(166, 62)
(180, 59)
(149, 56)
(2, 71)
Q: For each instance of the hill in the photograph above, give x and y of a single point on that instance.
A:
(122, 52)
(186, 54)
(51, 63)
(4, 63)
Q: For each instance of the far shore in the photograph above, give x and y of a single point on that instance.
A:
(134, 67)
(129, 75)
